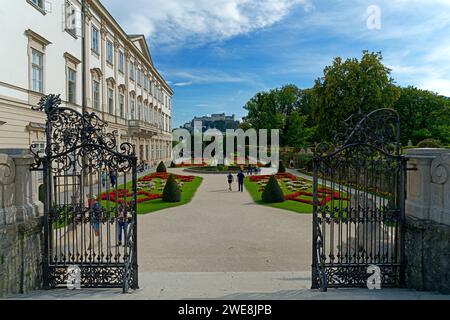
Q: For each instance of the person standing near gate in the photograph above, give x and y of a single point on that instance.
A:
(113, 178)
(122, 215)
(104, 176)
(96, 216)
(241, 177)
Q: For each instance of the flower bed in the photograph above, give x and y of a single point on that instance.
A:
(279, 176)
(325, 196)
(122, 194)
(165, 176)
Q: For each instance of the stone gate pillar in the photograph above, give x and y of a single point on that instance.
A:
(427, 208)
(20, 226)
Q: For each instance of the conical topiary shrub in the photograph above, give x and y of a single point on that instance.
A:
(173, 165)
(281, 167)
(272, 193)
(161, 167)
(171, 191)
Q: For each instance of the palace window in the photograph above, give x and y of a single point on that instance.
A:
(132, 107)
(71, 85)
(121, 62)
(111, 101)
(37, 70)
(71, 18)
(122, 105)
(109, 52)
(39, 4)
(132, 72)
(139, 109)
(139, 77)
(145, 82)
(95, 40)
(38, 147)
(96, 94)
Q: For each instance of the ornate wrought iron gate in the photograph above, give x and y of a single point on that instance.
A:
(359, 200)
(90, 201)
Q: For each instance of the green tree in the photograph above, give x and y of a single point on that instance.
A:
(423, 115)
(296, 133)
(282, 109)
(244, 125)
(350, 86)
(263, 112)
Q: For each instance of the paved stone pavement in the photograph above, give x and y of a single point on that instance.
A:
(223, 231)
(231, 286)
(224, 246)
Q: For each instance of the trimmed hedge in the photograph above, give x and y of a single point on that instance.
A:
(429, 143)
(161, 167)
(171, 191)
(272, 193)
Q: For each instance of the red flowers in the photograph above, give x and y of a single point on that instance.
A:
(165, 176)
(286, 175)
(122, 194)
(325, 195)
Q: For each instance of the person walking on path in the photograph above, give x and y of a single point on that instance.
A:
(241, 177)
(230, 181)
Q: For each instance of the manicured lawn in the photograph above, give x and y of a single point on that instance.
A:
(188, 191)
(299, 207)
(292, 205)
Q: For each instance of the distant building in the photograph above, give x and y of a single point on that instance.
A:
(219, 121)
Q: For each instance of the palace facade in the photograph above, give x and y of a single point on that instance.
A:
(41, 54)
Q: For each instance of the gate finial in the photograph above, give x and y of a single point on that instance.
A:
(48, 103)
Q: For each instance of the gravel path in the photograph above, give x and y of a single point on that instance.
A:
(223, 231)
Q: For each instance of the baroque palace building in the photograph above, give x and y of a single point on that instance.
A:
(41, 54)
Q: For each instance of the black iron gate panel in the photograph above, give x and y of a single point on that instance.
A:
(359, 200)
(90, 202)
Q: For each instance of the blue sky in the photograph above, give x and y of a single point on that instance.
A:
(216, 54)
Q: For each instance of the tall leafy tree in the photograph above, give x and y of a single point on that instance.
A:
(282, 109)
(296, 133)
(263, 112)
(423, 115)
(350, 86)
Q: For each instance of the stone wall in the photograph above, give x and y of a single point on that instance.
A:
(21, 233)
(427, 236)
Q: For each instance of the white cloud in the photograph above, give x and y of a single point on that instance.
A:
(206, 76)
(177, 22)
(183, 84)
(439, 85)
